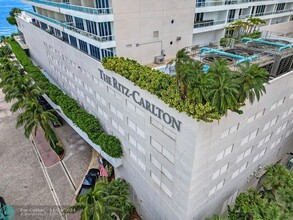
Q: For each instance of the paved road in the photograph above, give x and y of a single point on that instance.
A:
(31, 188)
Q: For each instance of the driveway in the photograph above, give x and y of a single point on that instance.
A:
(34, 190)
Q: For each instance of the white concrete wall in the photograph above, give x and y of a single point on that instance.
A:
(213, 139)
(74, 72)
(205, 38)
(135, 22)
(195, 147)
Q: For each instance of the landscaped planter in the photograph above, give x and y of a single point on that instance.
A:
(115, 162)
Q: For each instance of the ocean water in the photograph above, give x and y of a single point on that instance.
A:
(5, 6)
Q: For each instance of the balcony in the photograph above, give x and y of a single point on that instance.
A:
(266, 13)
(74, 29)
(201, 3)
(93, 11)
(208, 23)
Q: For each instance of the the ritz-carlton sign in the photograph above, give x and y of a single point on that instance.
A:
(135, 95)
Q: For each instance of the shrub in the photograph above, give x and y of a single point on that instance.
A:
(110, 144)
(85, 121)
(160, 84)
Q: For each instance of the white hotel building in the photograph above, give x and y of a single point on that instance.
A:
(182, 170)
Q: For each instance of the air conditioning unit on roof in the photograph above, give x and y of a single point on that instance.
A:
(159, 59)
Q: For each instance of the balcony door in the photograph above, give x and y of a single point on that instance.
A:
(102, 3)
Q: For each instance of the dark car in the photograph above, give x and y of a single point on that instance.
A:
(89, 181)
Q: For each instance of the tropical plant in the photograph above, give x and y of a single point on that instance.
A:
(104, 201)
(255, 23)
(252, 205)
(85, 121)
(238, 27)
(5, 51)
(183, 69)
(278, 182)
(273, 202)
(251, 80)
(11, 19)
(222, 93)
(34, 116)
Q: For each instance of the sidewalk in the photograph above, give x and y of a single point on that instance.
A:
(49, 157)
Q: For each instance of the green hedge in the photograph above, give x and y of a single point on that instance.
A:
(85, 121)
(162, 85)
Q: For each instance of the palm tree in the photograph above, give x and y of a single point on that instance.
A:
(222, 90)
(182, 70)
(103, 202)
(237, 27)
(5, 51)
(255, 23)
(198, 82)
(251, 79)
(33, 117)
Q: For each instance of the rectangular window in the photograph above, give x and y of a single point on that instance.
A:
(280, 7)
(198, 17)
(102, 3)
(65, 37)
(95, 52)
(168, 155)
(91, 27)
(73, 41)
(230, 131)
(109, 52)
(79, 23)
(69, 19)
(105, 29)
(140, 148)
(156, 145)
(260, 10)
(83, 46)
(231, 15)
(43, 25)
(155, 162)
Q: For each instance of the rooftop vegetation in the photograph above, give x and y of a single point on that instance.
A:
(85, 121)
(240, 29)
(204, 96)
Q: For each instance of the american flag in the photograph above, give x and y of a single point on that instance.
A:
(103, 171)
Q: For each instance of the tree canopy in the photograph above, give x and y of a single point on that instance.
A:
(273, 202)
(204, 96)
(11, 19)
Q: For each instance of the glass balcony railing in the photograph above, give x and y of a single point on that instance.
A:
(207, 23)
(202, 3)
(72, 28)
(94, 11)
(266, 13)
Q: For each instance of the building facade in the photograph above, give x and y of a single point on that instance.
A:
(177, 168)
(211, 17)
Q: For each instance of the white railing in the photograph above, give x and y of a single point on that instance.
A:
(88, 10)
(75, 29)
(202, 3)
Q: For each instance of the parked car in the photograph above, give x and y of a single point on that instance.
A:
(89, 181)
